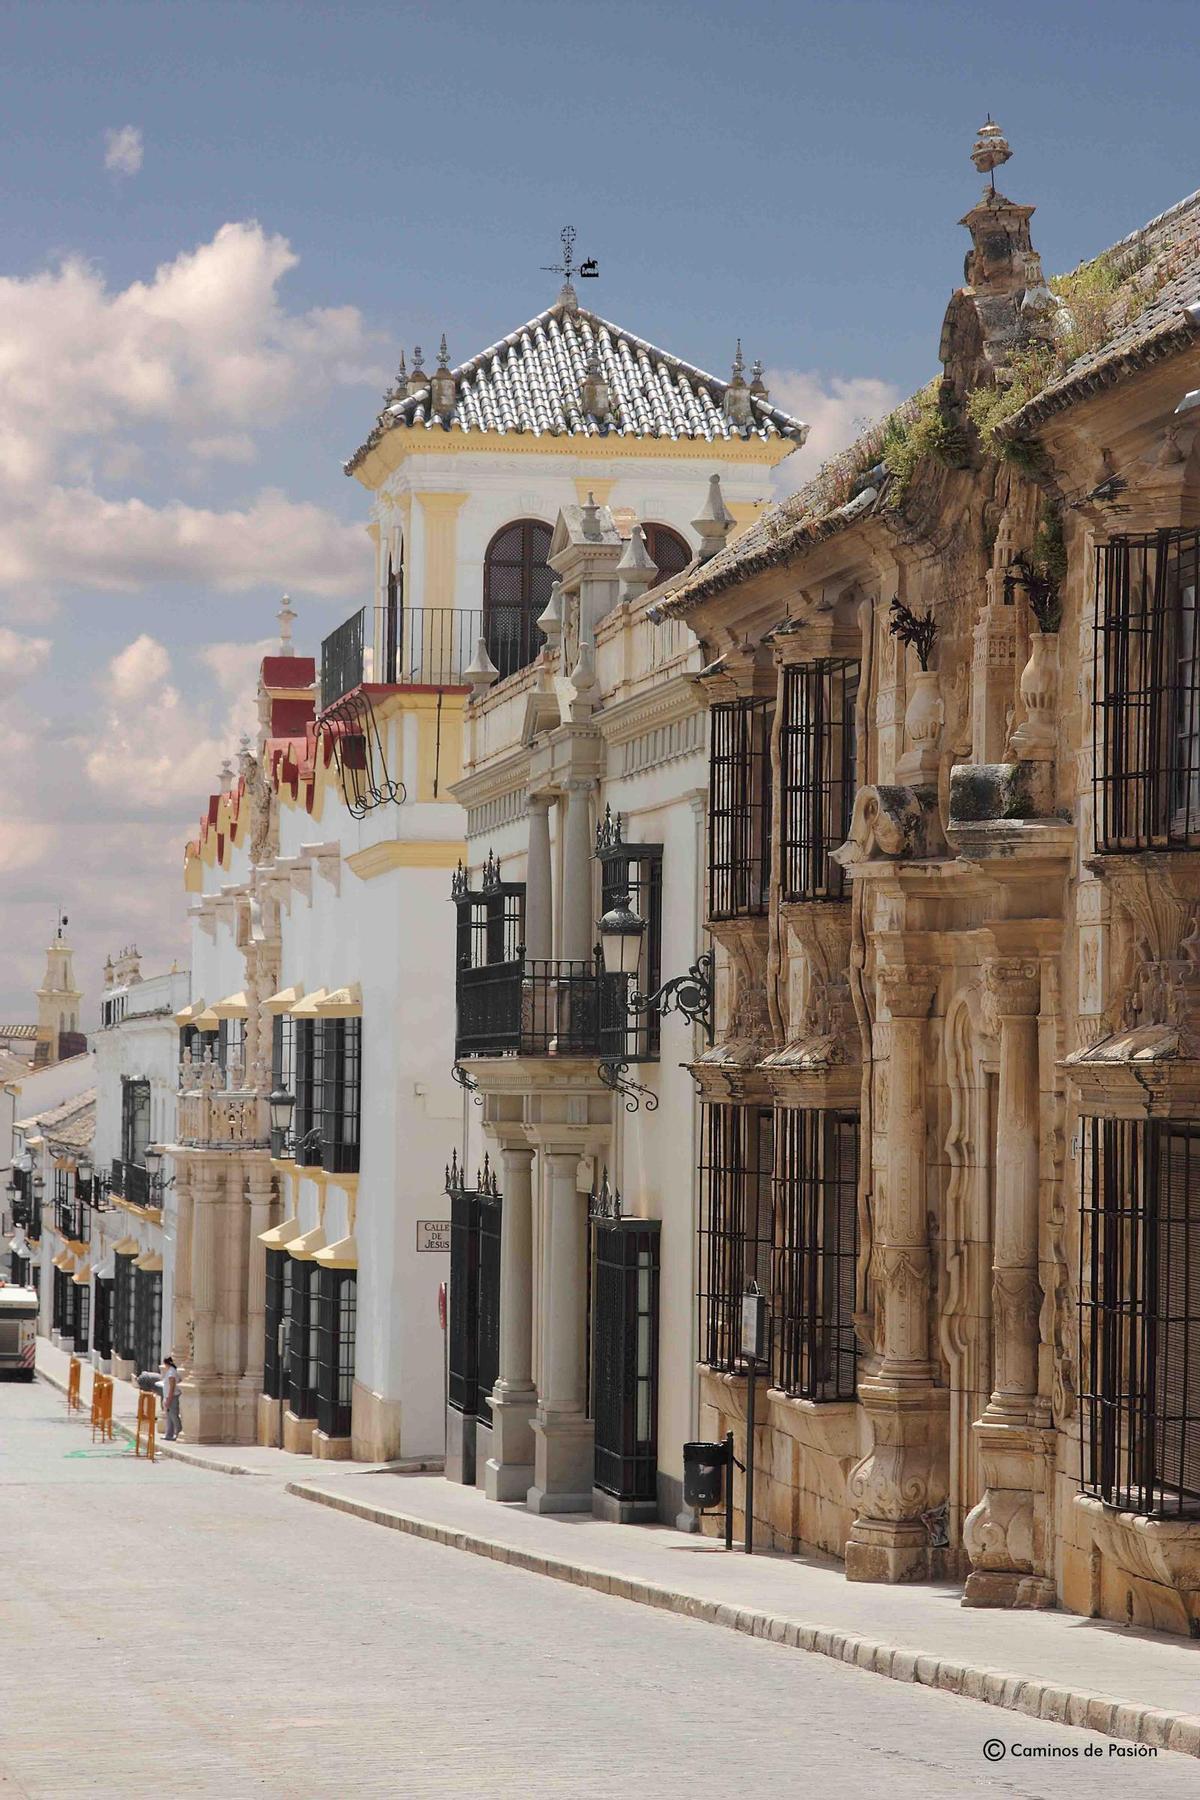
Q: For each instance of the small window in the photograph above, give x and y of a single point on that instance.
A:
(516, 587)
(667, 550)
(736, 1223)
(739, 813)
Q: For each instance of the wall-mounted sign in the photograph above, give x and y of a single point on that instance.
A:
(433, 1234)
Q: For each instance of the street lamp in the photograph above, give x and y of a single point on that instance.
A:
(691, 994)
(84, 1171)
(282, 1105)
(153, 1158)
(621, 934)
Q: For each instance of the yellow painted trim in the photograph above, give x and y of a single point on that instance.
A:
(190, 1014)
(279, 1236)
(127, 1247)
(342, 1255)
(150, 1262)
(283, 1001)
(153, 1214)
(83, 1275)
(342, 1003)
(206, 1020)
(309, 1007)
(304, 1248)
(234, 1006)
(407, 853)
(441, 510)
(600, 487)
(402, 441)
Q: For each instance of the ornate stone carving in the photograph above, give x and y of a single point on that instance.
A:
(891, 824)
(1013, 986)
(907, 989)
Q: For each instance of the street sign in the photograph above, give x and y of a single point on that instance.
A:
(433, 1234)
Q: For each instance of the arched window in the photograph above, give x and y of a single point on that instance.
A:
(516, 587)
(668, 551)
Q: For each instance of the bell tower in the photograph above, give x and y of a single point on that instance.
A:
(58, 1032)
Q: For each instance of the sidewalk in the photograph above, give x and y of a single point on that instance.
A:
(1125, 1683)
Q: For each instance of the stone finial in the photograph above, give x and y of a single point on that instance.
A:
(737, 394)
(636, 570)
(245, 755)
(418, 379)
(397, 389)
(594, 393)
(590, 520)
(550, 621)
(481, 671)
(714, 522)
(991, 150)
(287, 619)
(443, 385)
(568, 299)
(758, 386)
(226, 776)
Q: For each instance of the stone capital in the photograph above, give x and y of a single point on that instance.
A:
(907, 988)
(1014, 984)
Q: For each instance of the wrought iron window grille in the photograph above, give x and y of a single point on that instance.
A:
(274, 1313)
(302, 1339)
(356, 744)
(818, 772)
(623, 1347)
(147, 1318)
(1146, 711)
(473, 1344)
(123, 1312)
(326, 1119)
(739, 858)
(736, 1236)
(815, 1253)
(337, 1291)
(516, 590)
(1139, 1315)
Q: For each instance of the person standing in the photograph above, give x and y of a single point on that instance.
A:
(170, 1394)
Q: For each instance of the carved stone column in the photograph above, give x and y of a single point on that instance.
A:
(509, 1471)
(578, 923)
(261, 1189)
(202, 1376)
(563, 1435)
(904, 1475)
(182, 1329)
(1005, 1534)
(539, 906)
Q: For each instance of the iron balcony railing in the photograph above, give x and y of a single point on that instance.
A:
(68, 1219)
(130, 1181)
(417, 646)
(531, 1006)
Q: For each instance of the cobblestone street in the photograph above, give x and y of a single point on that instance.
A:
(167, 1630)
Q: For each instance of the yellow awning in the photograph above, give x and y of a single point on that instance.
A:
(283, 1001)
(342, 1255)
(305, 1248)
(190, 1014)
(206, 1020)
(279, 1236)
(310, 1006)
(150, 1262)
(233, 1006)
(342, 1003)
(128, 1246)
(83, 1275)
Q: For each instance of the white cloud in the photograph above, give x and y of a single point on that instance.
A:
(20, 657)
(836, 409)
(229, 446)
(123, 149)
(154, 743)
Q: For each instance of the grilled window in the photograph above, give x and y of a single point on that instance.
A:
(273, 1316)
(668, 551)
(336, 1307)
(816, 1252)
(302, 1339)
(58, 1304)
(818, 771)
(624, 1356)
(328, 1059)
(516, 587)
(283, 1068)
(102, 1319)
(198, 1042)
(1147, 682)
(490, 958)
(82, 1315)
(739, 862)
(147, 1318)
(474, 1322)
(231, 1047)
(135, 1120)
(393, 624)
(1139, 1301)
(123, 1343)
(736, 1229)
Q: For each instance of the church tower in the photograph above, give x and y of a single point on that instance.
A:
(58, 1032)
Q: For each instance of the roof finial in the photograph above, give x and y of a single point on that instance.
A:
(417, 369)
(739, 362)
(991, 150)
(286, 617)
(443, 354)
(758, 386)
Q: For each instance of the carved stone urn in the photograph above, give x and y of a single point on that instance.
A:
(923, 720)
(1034, 738)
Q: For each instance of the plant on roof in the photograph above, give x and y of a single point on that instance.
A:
(929, 432)
(908, 627)
(988, 408)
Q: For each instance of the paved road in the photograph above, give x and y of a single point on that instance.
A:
(170, 1631)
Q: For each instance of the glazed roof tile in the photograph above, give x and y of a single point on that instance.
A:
(532, 382)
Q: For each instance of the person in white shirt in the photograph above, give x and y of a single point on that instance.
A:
(170, 1394)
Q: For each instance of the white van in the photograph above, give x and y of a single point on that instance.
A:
(18, 1328)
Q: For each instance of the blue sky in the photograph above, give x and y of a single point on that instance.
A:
(171, 442)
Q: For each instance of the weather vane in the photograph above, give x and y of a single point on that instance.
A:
(586, 270)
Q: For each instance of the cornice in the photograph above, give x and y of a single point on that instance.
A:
(662, 705)
(503, 776)
(412, 853)
(402, 442)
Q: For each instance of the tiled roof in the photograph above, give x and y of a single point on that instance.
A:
(1168, 250)
(18, 1031)
(72, 1122)
(532, 381)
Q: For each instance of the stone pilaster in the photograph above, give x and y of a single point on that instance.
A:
(539, 907)
(903, 1477)
(563, 1435)
(578, 922)
(509, 1471)
(1005, 1534)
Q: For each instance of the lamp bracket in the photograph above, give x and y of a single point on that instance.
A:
(690, 994)
(615, 1075)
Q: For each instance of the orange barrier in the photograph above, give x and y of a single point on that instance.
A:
(102, 1405)
(73, 1401)
(147, 1415)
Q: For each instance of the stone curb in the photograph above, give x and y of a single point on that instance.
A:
(1037, 1698)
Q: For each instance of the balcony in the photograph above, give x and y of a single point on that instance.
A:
(131, 1182)
(532, 1007)
(420, 646)
(233, 1119)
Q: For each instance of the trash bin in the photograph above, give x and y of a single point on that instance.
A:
(704, 1474)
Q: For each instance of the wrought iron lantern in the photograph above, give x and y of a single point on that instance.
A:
(282, 1105)
(691, 995)
(154, 1163)
(84, 1170)
(621, 934)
